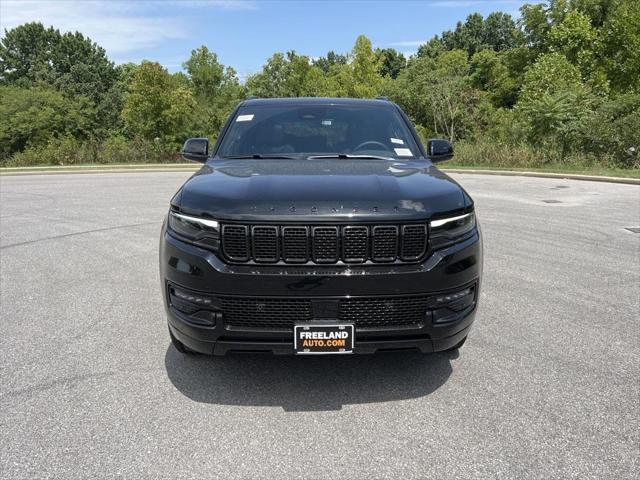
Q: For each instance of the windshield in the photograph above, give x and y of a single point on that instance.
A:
(302, 131)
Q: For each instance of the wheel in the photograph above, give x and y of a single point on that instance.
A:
(179, 346)
(457, 345)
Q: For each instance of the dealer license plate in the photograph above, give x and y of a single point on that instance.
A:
(312, 339)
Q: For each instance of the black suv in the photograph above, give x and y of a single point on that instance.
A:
(319, 226)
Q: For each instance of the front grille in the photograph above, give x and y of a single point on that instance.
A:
(324, 244)
(383, 312)
(264, 312)
(363, 311)
(295, 244)
(236, 242)
(265, 243)
(355, 242)
(385, 243)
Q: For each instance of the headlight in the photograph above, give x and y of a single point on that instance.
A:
(445, 231)
(201, 231)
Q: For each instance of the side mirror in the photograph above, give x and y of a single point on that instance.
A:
(196, 149)
(439, 150)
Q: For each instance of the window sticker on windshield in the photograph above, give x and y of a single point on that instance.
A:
(326, 122)
(403, 152)
(397, 140)
(244, 118)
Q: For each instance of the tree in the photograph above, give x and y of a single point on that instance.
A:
(215, 88)
(365, 69)
(612, 131)
(575, 38)
(360, 76)
(392, 62)
(501, 32)
(31, 55)
(332, 60)
(497, 32)
(620, 47)
(290, 76)
(552, 73)
(25, 54)
(556, 117)
(490, 73)
(32, 117)
(158, 105)
(554, 103)
(468, 36)
(432, 49)
(535, 26)
(437, 94)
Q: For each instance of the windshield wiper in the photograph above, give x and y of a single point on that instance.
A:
(259, 156)
(348, 156)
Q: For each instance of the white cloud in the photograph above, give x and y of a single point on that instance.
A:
(118, 26)
(408, 43)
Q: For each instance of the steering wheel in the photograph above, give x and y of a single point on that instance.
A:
(371, 142)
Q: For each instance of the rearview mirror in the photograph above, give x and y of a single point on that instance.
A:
(196, 149)
(439, 150)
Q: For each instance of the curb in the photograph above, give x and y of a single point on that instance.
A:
(13, 171)
(568, 176)
(178, 167)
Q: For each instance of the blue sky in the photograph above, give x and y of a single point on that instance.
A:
(245, 33)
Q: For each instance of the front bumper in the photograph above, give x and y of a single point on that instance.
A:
(198, 271)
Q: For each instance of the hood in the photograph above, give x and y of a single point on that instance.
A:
(320, 189)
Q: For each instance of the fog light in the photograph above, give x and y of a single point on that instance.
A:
(191, 298)
(452, 297)
(452, 307)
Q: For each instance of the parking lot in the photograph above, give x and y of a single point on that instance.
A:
(548, 384)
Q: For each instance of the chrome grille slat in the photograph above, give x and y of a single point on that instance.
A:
(324, 244)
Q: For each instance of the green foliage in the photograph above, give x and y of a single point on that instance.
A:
(491, 73)
(361, 77)
(392, 62)
(292, 75)
(613, 129)
(620, 47)
(497, 32)
(556, 118)
(550, 74)
(216, 90)
(32, 117)
(31, 54)
(158, 105)
(71, 151)
(438, 94)
(333, 59)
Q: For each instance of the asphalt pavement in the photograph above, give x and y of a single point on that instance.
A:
(547, 386)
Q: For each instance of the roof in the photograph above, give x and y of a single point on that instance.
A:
(315, 101)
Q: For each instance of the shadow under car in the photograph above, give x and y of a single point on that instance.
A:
(307, 383)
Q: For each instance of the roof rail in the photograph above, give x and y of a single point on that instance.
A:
(382, 97)
(252, 97)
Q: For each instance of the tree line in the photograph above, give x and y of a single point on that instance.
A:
(559, 86)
